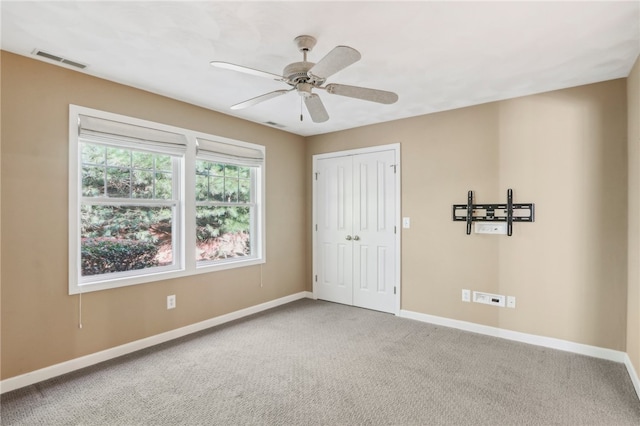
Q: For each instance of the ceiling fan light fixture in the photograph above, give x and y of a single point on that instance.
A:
(304, 89)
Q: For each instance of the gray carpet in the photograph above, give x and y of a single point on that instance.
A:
(319, 363)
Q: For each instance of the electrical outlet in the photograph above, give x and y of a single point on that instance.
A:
(466, 295)
(511, 301)
(171, 301)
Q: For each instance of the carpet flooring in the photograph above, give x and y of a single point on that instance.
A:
(318, 363)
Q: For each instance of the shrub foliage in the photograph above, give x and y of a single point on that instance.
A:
(125, 237)
(104, 254)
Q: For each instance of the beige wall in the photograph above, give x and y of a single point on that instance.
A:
(565, 151)
(39, 318)
(633, 296)
(443, 156)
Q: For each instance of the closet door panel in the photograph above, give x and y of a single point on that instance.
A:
(334, 235)
(373, 230)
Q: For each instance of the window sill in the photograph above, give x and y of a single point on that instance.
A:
(161, 276)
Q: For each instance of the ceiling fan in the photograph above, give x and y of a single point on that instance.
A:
(305, 76)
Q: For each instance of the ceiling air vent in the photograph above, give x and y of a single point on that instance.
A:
(272, 123)
(56, 58)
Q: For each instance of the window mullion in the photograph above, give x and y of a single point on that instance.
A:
(131, 174)
(189, 208)
(104, 166)
(178, 192)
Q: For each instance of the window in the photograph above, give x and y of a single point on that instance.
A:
(137, 188)
(226, 197)
(223, 211)
(128, 210)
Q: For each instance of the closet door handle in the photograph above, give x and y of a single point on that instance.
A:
(348, 237)
(356, 238)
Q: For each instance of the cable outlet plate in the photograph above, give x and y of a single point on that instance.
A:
(489, 299)
(466, 295)
(490, 228)
(171, 301)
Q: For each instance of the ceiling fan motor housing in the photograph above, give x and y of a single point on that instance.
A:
(298, 72)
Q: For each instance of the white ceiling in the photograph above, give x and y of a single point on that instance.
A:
(435, 55)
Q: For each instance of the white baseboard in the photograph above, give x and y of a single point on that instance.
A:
(30, 378)
(36, 376)
(633, 374)
(548, 342)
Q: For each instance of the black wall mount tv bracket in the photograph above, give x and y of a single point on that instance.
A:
(509, 212)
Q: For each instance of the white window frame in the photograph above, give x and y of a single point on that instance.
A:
(184, 254)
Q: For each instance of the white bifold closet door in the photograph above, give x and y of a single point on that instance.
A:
(355, 241)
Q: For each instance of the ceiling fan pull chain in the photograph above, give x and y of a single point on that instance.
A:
(300, 108)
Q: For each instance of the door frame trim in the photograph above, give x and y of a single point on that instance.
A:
(397, 209)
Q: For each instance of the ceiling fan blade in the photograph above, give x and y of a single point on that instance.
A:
(247, 70)
(339, 58)
(316, 108)
(373, 95)
(261, 98)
